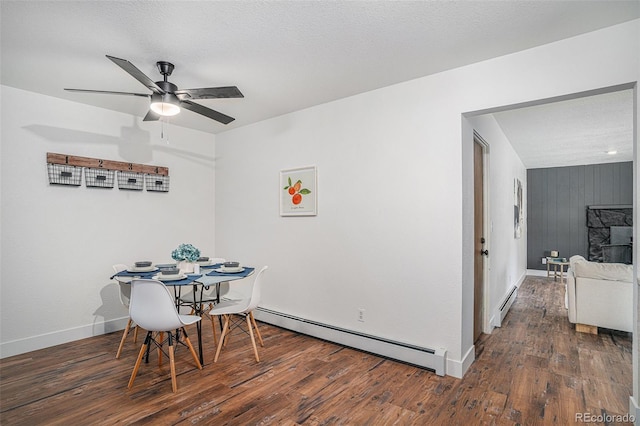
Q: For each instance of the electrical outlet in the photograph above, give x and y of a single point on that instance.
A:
(361, 315)
(544, 260)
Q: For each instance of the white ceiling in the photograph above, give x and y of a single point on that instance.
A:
(572, 132)
(290, 55)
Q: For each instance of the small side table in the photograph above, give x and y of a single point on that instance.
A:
(558, 267)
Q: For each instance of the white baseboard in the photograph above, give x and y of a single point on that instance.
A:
(28, 344)
(537, 272)
(433, 359)
(507, 300)
(458, 368)
(504, 307)
(634, 410)
(492, 324)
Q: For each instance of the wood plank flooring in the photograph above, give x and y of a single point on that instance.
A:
(535, 370)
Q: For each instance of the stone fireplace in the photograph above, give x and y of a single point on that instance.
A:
(605, 223)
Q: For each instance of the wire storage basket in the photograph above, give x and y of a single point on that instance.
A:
(157, 183)
(131, 181)
(62, 174)
(98, 178)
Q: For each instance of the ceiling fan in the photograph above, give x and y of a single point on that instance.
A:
(166, 99)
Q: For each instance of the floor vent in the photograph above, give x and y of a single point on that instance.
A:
(504, 307)
(431, 359)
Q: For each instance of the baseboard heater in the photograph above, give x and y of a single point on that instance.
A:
(506, 305)
(431, 359)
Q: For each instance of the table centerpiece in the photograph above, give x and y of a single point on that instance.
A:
(186, 255)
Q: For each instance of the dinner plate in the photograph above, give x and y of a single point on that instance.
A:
(224, 270)
(169, 277)
(145, 269)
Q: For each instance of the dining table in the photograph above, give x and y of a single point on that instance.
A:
(211, 274)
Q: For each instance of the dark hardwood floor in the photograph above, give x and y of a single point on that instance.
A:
(535, 370)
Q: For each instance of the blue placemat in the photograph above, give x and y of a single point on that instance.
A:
(150, 275)
(190, 279)
(126, 273)
(247, 271)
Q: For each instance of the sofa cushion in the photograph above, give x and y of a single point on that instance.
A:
(603, 271)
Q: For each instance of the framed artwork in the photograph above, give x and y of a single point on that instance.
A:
(518, 214)
(299, 192)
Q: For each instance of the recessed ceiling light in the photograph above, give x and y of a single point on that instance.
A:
(612, 152)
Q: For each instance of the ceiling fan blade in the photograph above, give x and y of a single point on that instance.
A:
(207, 112)
(107, 92)
(137, 74)
(151, 116)
(211, 92)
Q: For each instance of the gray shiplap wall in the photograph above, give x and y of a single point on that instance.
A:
(557, 199)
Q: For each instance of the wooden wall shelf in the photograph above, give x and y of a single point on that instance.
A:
(73, 160)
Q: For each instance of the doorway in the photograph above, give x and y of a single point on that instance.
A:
(499, 235)
(479, 235)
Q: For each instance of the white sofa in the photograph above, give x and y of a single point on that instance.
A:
(599, 295)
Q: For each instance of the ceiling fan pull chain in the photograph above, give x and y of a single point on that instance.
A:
(162, 133)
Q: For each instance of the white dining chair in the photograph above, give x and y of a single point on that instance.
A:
(152, 307)
(245, 307)
(125, 295)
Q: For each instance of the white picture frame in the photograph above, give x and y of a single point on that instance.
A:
(518, 213)
(299, 191)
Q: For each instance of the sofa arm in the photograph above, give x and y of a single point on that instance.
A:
(570, 296)
(603, 303)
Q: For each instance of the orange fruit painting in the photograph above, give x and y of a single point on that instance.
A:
(296, 191)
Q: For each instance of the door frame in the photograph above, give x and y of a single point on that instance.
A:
(486, 231)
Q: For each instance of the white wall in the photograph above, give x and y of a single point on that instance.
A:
(393, 234)
(59, 242)
(634, 406)
(507, 260)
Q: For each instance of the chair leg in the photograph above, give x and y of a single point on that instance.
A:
(124, 337)
(174, 385)
(191, 349)
(225, 329)
(160, 339)
(228, 336)
(143, 350)
(253, 321)
(135, 334)
(213, 327)
(253, 340)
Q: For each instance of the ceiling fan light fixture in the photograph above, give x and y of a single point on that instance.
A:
(164, 101)
(165, 105)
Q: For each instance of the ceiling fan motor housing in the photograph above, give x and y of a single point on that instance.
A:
(165, 68)
(167, 86)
